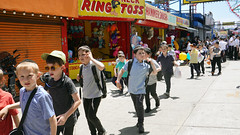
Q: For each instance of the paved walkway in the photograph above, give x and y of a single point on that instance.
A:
(208, 105)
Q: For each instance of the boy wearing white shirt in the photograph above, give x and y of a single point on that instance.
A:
(222, 45)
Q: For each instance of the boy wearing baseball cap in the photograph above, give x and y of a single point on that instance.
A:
(64, 94)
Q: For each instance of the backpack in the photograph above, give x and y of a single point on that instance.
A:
(103, 88)
(130, 62)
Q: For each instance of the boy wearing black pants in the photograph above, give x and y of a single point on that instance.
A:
(216, 58)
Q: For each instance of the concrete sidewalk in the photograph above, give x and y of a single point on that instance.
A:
(208, 105)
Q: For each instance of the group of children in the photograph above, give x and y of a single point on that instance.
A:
(54, 107)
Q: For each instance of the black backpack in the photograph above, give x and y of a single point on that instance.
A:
(103, 88)
(130, 62)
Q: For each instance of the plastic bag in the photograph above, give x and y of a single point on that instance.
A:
(177, 72)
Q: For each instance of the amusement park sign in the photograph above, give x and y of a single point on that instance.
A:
(199, 1)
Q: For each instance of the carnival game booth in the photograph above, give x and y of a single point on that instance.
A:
(103, 25)
(152, 29)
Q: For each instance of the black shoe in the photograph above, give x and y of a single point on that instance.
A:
(166, 94)
(219, 73)
(191, 77)
(103, 132)
(137, 125)
(212, 73)
(141, 129)
(147, 110)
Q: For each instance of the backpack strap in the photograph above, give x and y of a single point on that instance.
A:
(150, 71)
(95, 75)
(130, 63)
(80, 76)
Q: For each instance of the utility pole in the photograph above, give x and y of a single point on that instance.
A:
(190, 13)
(204, 18)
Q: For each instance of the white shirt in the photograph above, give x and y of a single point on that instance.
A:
(188, 47)
(236, 42)
(231, 41)
(222, 45)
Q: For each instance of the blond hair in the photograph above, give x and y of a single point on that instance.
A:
(27, 65)
(1, 78)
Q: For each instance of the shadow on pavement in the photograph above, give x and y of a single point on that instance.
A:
(151, 113)
(116, 93)
(131, 131)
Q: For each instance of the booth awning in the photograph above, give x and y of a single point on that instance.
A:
(187, 28)
(150, 23)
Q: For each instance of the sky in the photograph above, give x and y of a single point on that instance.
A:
(221, 11)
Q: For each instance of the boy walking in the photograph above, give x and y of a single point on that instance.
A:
(91, 93)
(167, 62)
(216, 58)
(6, 99)
(152, 84)
(137, 89)
(65, 96)
(194, 60)
(40, 118)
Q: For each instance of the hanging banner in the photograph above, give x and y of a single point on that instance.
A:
(182, 22)
(158, 15)
(112, 8)
(199, 1)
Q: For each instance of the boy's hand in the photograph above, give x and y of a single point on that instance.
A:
(61, 119)
(149, 59)
(118, 85)
(78, 78)
(3, 113)
(89, 55)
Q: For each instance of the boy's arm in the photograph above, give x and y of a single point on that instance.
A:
(53, 125)
(115, 71)
(4, 111)
(98, 64)
(16, 120)
(153, 65)
(120, 74)
(63, 117)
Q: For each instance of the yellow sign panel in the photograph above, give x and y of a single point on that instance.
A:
(112, 8)
(198, 1)
(182, 22)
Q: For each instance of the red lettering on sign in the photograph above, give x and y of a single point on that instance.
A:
(135, 10)
(131, 1)
(141, 10)
(156, 14)
(108, 7)
(93, 5)
(100, 6)
(129, 9)
(123, 6)
(86, 4)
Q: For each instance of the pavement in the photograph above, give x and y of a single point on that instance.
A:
(207, 105)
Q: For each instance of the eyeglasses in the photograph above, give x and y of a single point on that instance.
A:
(53, 68)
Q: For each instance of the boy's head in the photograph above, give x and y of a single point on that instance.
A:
(164, 48)
(55, 63)
(1, 79)
(169, 47)
(139, 53)
(193, 46)
(148, 52)
(120, 52)
(216, 44)
(121, 57)
(83, 54)
(28, 74)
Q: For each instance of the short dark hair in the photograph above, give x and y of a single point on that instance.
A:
(52, 60)
(148, 50)
(135, 50)
(217, 43)
(84, 48)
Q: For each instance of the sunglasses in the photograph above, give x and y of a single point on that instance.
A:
(53, 68)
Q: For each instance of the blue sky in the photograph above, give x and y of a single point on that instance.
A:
(221, 11)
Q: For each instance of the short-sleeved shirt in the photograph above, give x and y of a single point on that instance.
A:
(90, 89)
(61, 92)
(6, 125)
(166, 63)
(194, 56)
(119, 66)
(231, 41)
(137, 77)
(222, 45)
(216, 51)
(39, 112)
(153, 78)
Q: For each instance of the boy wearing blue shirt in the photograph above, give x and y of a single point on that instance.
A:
(40, 118)
(136, 82)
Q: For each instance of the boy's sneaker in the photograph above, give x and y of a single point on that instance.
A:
(166, 94)
(191, 77)
(103, 132)
(219, 73)
(141, 128)
(147, 110)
